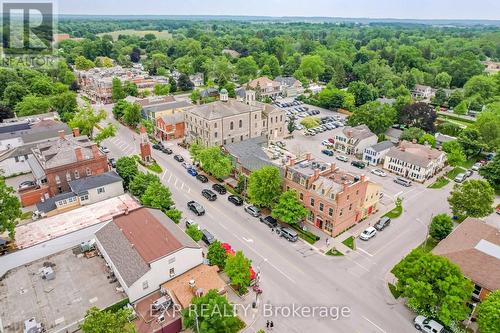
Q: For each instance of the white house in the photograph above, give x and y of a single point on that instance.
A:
(423, 92)
(197, 79)
(375, 154)
(354, 140)
(144, 248)
(414, 161)
(289, 86)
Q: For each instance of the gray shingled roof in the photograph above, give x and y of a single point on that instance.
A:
(49, 204)
(84, 184)
(415, 154)
(381, 146)
(249, 153)
(124, 257)
(218, 109)
(165, 106)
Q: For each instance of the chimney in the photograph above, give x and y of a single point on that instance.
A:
(95, 151)
(78, 154)
(292, 162)
(61, 134)
(308, 156)
(76, 132)
(349, 133)
(362, 179)
(316, 174)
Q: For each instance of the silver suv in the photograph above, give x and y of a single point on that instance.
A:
(252, 210)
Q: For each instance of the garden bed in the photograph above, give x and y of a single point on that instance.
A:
(396, 211)
(349, 242)
(334, 252)
(394, 291)
(305, 235)
(439, 183)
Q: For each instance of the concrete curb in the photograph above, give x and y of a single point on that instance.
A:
(389, 299)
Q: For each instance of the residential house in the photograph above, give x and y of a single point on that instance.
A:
(475, 247)
(248, 155)
(265, 87)
(228, 120)
(209, 92)
(414, 161)
(145, 248)
(289, 86)
(153, 108)
(17, 139)
(83, 191)
(354, 140)
(385, 100)
(231, 53)
(169, 127)
(54, 164)
(393, 135)
(336, 199)
(442, 138)
(491, 67)
(374, 155)
(422, 92)
(198, 79)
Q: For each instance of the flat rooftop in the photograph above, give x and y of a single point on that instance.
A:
(58, 304)
(39, 231)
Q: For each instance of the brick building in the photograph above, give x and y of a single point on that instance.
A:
(56, 163)
(170, 127)
(335, 198)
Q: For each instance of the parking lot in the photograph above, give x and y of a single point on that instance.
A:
(79, 284)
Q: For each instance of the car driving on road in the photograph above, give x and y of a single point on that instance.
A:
(196, 208)
(368, 233)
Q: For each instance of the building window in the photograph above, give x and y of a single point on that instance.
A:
(77, 174)
(330, 211)
(215, 134)
(58, 180)
(348, 197)
(312, 202)
(84, 197)
(88, 171)
(301, 196)
(68, 176)
(350, 206)
(240, 123)
(241, 137)
(341, 212)
(215, 125)
(171, 260)
(255, 116)
(145, 285)
(100, 190)
(321, 207)
(231, 126)
(172, 272)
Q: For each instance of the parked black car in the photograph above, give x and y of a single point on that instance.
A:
(196, 208)
(207, 237)
(235, 200)
(167, 150)
(202, 178)
(270, 221)
(219, 189)
(156, 146)
(382, 223)
(358, 164)
(178, 158)
(209, 194)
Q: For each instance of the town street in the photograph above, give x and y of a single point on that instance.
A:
(296, 273)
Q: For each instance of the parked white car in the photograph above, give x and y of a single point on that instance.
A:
(379, 172)
(476, 166)
(326, 143)
(368, 233)
(342, 158)
(427, 325)
(186, 165)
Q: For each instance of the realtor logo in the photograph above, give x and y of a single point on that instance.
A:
(27, 28)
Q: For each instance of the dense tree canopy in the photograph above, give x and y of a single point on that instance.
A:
(472, 198)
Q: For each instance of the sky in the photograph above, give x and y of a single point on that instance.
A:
(402, 9)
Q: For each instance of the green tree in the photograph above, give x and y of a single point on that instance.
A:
(106, 132)
(237, 268)
(456, 155)
(194, 232)
(441, 226)
(420, 115)
(471, 142)
(488, 125)
(488, 313)
(157, 196)
(117, 91)
(184, 83)
(455, 98)
(215, 162)
(291, 124)
(132, 115)
(174, 214)
(10, 208)
(247, 68)
(127, 168)
(461, 108)
(14, 93)
(130, 89)
(195, 96)
(482, 85)
(97, 321)
(264, 186)
(119, 108)
(442, 80)
(140, 183)
(472, 198)
(211, 313)
(312, 66)
(217, 255)
(377, 116)
(86, 119)
(310, 122)
(161, 89)
(83, 63)
(433, 286)
(448, 128)
(412, 133)
(362, 92)
(31, 105)
(491, 172)
(429, 139)
(273, 65)
(289, 209)
(64, 104)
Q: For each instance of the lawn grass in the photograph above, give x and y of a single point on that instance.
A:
(334, 252)
(429, 245)
(396, 211)
(26, 215)
(349, 242)
(470, 162)
(439, 183)
(394, 291)
(453, 173)
(154, 167)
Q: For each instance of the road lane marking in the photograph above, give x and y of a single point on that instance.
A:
(371, 255)
(169, 178)
(358, 264)
(371, 322)
(248, 240)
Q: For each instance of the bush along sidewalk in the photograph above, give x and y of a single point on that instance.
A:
(396, 211)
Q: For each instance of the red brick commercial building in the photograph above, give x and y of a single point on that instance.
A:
(335, 198)
(170, 127)
(57, 162)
